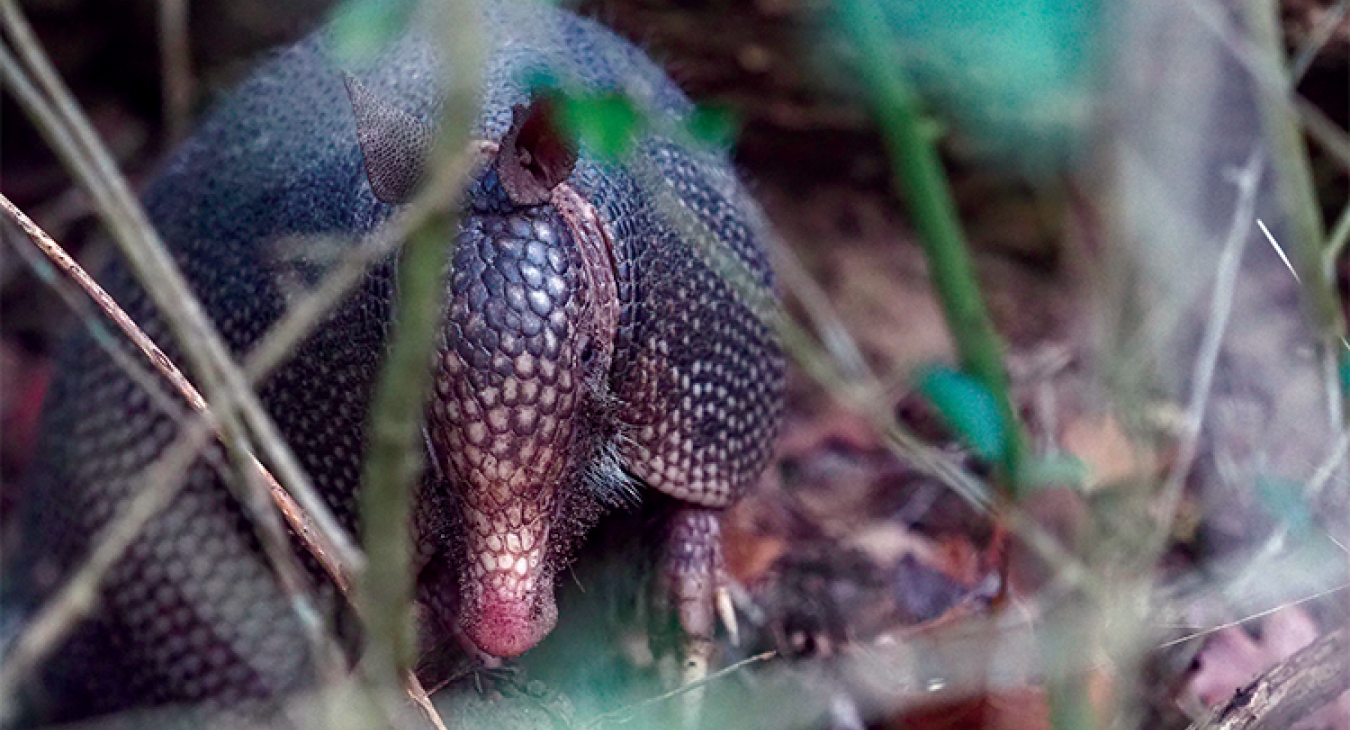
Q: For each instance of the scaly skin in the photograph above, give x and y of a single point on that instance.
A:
(592, 349)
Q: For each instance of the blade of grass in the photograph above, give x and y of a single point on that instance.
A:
(175, 64)
(394, 459)
(393, 462)
(1340, 235)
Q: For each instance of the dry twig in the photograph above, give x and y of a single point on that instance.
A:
(56, 114)
(58, 117)
(1289, 691)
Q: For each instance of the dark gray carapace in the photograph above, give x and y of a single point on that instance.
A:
(591, 351)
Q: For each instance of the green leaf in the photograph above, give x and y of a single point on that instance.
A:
(713, 126)
(1052, 470)
(1284, 499)
(360, 28)
(543, 82)
(1015, 79)
(968, 409)
(606, 124)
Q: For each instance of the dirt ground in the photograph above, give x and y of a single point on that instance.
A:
(846, 544)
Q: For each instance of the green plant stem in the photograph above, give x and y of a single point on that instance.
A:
(1289, 158)
(394, 461)
(394, 458)
(921, 180)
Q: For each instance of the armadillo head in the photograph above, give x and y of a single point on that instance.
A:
(516, 420)
(519, 394)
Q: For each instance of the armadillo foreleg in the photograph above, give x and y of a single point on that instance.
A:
(692, 589)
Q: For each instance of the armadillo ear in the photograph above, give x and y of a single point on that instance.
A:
(535, 155)
(395, 144)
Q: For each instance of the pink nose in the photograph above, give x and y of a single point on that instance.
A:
(508, 626)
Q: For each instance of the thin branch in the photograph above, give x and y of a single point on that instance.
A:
(422, 700)
(1336, 241)
(1289, 691)
(1247, 181)
(1270, 237)
(628, 713)
(1317, 39)
(103, 337)
(1209, 630)
(394, 455)
(74, 142)
(1334, 461)
(296, 517)
(67, 265)
(75, 273)
(175, 67)
(1338, 397)
(834, 334)
(1323, 130)
(838, 365)
(841, 370)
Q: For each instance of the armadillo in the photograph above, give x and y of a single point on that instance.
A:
(592, 350)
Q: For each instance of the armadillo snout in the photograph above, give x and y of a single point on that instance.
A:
(504, 413)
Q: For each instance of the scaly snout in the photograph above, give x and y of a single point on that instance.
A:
(504, 416)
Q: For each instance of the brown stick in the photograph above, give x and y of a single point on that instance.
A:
(56, 114)
(1289, 691)
(292, 512)
(76, 600)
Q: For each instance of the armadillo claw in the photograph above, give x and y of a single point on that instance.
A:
(726, 611)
